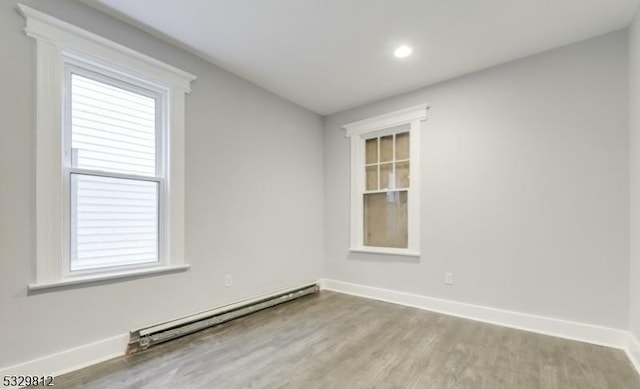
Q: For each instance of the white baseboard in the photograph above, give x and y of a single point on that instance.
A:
(633, 351)
(72, 359)
(589, 333)
(100, 351)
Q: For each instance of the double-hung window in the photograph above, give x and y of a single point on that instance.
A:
(385, 195)
(114, 170)
(109, 157)
(385, 182)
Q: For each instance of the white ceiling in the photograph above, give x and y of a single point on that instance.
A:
(329, 55)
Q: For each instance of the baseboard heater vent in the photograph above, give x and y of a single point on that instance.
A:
(147, 337)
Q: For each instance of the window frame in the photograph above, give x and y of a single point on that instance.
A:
(159, 94)
(61, 46)
(401, 121)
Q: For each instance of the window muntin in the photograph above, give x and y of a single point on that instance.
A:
(114, 172)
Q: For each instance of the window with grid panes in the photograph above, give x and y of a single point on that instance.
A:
(385, 197)
(387, 167)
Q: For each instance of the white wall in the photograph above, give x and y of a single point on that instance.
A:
(634, 125)
(525, 194)
(253, 199)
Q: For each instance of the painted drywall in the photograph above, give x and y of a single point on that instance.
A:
(525, 194)
(253, 199)
(634, 142)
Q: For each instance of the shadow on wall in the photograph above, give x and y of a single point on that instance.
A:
(382, 258)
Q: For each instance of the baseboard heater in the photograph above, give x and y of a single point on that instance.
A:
(147, 337)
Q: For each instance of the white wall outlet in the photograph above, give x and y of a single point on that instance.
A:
(228, 281)
(448, 278)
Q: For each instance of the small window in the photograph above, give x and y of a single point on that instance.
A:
(385, 188)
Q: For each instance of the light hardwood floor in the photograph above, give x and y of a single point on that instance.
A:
(332, 340)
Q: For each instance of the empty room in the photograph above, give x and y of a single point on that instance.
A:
(320, 194)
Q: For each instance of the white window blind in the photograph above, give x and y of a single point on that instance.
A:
(113, 129)
(114, 183)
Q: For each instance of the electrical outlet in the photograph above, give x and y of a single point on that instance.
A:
(448, 278)
(228, 281)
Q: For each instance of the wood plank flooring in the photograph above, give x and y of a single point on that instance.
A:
(332, 340)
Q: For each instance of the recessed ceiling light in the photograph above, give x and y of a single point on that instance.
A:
(403, 51)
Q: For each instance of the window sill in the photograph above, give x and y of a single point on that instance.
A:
(103, 277)
(385, 251)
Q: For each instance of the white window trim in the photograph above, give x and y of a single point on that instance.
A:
(358, 132)
(57, 42)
